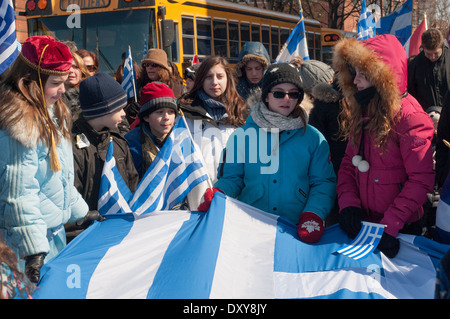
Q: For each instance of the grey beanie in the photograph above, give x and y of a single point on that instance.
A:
(314, 72)
(280, 73)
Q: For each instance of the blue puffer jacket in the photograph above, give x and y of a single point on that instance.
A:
(35, 202)
(298, 178)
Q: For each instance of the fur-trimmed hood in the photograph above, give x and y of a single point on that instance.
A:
(382, 59)
(252, 51)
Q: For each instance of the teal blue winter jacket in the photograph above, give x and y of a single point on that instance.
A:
(298, 176)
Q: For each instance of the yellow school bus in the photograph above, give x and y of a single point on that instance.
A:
(183, 28)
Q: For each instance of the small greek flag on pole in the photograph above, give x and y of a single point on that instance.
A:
(366, 241)
(129, 77)
(9, 46)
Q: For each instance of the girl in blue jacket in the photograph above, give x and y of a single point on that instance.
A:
(37, 193)
(277, 162)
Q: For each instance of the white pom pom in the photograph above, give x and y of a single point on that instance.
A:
(356, 160)
(363, 166)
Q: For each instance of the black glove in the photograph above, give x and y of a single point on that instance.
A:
(33, 266)
(91, 216)
(350, 220)
(389, 245)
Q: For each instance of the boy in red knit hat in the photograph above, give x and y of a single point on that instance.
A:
(157, 118)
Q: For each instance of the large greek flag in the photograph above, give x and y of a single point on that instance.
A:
(366, 24)
(174, 172)
(129, 76)
(296, 44)
(397, 23)
(231, 251)
(9, 47)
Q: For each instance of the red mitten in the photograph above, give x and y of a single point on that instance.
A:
(310, 227)
(206, 199)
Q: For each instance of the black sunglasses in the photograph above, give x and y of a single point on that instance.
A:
(153, 65)
(281, 94)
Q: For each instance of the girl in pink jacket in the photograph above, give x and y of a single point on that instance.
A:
(387, 169)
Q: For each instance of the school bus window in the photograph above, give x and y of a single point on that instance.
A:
(317, 40)
(187, 27)
(275, 41)
(284, 35)
(220, 38)
(256, 37)
(173, 51)
(265, 35)
(245, 33)
(233, 32)
(204, 47)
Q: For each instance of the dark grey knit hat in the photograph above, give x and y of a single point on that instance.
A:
(100, 95)
(314, 72)
(280, 73)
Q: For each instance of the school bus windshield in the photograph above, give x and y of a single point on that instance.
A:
(108, 34)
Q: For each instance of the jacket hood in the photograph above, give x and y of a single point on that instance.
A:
(252, 51)
(382, 59)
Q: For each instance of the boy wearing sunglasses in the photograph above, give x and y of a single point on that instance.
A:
(301, 188)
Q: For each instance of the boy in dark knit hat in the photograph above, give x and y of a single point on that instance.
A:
(157, 118)
(102, 100)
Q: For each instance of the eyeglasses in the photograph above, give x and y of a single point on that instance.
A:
(153, 65)
(281, 95)
(91, 68)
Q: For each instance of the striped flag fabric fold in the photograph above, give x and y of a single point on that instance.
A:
(366, 24)
(9, 47)
(114, 193)
(129, 76)
(442, 232)
(365, 243)
(296, 44)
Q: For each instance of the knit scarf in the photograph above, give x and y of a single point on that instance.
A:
(214, 108)
(267, 119)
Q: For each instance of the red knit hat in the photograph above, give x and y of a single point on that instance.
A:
(55, 57)
(156, 95)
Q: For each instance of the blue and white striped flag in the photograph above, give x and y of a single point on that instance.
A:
(232, 251)
(365, 243)
(366, 24)
(174, 172)
(397, 23)
(296, 44)
(114, 192)
(129, 76)
(9, 47)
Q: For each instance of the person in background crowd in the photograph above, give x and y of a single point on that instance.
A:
(253, 61)
(155, 68)
(102, 101)
(176, 81)
(189, 76)
(78, 72)
(213, 110)
(324, 116)
(90, 59)
(157, 113)
(443, 142)
(37, 195)
(13, 283)
(304, 194)
(429, 71)
(387, 169)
